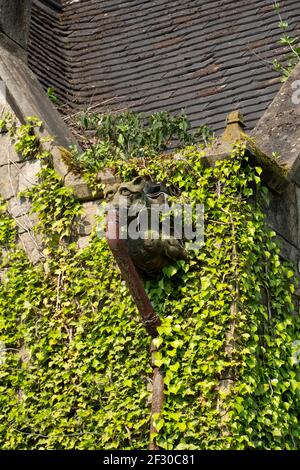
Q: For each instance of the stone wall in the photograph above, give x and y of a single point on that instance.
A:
(277, 135)
(15, 24)
(17, 175)
(22, 96)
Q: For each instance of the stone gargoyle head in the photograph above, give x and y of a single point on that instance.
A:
(149, 247)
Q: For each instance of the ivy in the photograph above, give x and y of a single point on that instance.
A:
(26, 140)
(56, 206)
(7, 227)
(77, 369)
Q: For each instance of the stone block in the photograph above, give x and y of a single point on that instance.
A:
(26, 223)
(27, 177)
(87, 221)
(83, 242)
(80, 188)
(32, 245)
(290, 253)
(7, 151)
(4, 106)
(279, 128)
(26, 97)
(282, 214)
(107, 177)
(9, 177)
(15, 20)
(58, 163)
(18, 207)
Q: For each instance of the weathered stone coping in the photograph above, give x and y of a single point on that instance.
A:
(278, 131)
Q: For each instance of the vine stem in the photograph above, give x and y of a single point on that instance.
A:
(227, 378)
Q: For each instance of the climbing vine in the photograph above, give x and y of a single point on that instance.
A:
(77, 369)
(292, 56)
(124, 135)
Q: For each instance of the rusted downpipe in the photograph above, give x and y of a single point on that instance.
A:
(157, 397)
(134, 283)
(149, 317)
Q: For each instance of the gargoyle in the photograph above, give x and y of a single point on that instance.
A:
(149, 247)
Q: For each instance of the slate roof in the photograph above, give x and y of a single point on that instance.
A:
(208, 57)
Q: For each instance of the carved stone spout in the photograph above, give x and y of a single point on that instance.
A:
(139, 203)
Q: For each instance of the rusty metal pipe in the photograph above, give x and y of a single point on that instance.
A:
(149, 318)
(133, 281)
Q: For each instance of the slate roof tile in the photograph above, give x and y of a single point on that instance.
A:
(207, 57)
